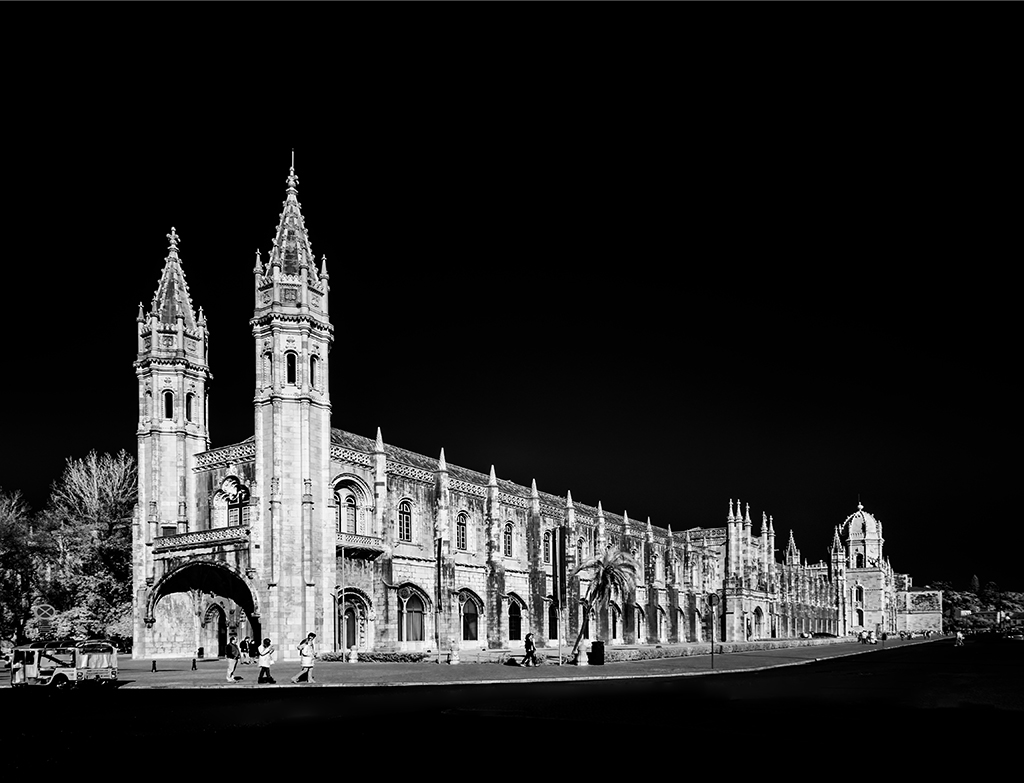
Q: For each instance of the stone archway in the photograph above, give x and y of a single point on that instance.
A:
(177, 619)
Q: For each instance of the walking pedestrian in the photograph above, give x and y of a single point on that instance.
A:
(531, 651)
(254, 650)
(243, 647)
(307, 655)
(266, 653)
(233, 654)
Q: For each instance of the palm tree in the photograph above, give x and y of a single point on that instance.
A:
(615, 570)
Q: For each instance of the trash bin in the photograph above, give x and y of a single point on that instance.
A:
(596, 654)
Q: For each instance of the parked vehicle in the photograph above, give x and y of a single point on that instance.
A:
(63, 664)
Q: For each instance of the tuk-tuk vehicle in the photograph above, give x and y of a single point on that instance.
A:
(63, 664)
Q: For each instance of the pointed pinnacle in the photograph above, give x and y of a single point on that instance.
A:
(730, 510)
(323, 267)
(533, 489)
(493, 480)
(141, 317)
(747, 519)
(568, 499)
(600, 511)
(379, 445)
(442, 466)
(259, 262)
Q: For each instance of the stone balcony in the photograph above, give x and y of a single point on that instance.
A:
(196, 539)
(360, 546)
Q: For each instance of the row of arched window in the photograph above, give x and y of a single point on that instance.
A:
(168, 405)
(291, 369)
(461, 530)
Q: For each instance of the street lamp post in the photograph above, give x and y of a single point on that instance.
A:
(713, 602)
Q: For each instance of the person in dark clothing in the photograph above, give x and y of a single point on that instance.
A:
(243, 647)
(531, 651)
(233, 654)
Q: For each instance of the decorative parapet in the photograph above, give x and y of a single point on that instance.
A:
(457, 485)
(218, 536)
(339, 454)
(222, 457)
(409, 472)
(513, 500)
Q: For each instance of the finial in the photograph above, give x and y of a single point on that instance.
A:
(649, 528)
(442, 466)
(534, 494)
(493, 480)
(141, 316)
(323, 267)
(730, 510)
(202, 318)
(625, 522)
(259, 262)
(568, 499)
(293, 181)
(379, 445)
(771, 526)
(174, 238)
(747, 520)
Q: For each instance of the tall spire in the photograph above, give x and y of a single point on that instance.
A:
(172, 299)
(493, 480)
(442, 466)
(378, 447)
(292, 249)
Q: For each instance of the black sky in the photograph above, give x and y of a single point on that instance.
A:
(657, 300)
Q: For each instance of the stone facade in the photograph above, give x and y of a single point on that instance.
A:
(306, 527)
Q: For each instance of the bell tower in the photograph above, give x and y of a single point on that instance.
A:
(293, 546)
(173, 373)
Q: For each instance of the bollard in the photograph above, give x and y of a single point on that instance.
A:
(581, 655)
(353, 656)
(154, 667)
(193, 664)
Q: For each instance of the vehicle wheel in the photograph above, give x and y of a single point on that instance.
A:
(60, 683)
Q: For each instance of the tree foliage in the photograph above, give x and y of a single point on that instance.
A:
(88, 520)
(22, 549)
(613, 572)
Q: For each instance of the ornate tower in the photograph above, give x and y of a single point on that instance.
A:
(173, 373)
(864, 540)
(293, 541)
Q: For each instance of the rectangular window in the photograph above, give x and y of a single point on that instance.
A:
(232, 516)
(245, 515)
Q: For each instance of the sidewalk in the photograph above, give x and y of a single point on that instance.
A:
(480, 668)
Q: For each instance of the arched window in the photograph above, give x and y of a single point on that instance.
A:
(405, 521)
(237, 501)
(469, 621)
(507, 540)
(290, 368)
(858, 594)
(268, 369)
(350, 514)
(859, 560)
(654, 563)
(410, 620)
(188, 405)
(314, 368)
(168, 405)
(460, 532)
(579, 551)
(860, 617)
(515, 622)
(547, 547)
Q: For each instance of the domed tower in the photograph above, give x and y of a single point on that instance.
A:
(863, 540)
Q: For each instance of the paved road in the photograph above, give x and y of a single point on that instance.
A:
(923, 701)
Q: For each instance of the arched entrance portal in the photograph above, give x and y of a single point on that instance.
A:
(354, 626)
(197, 604)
